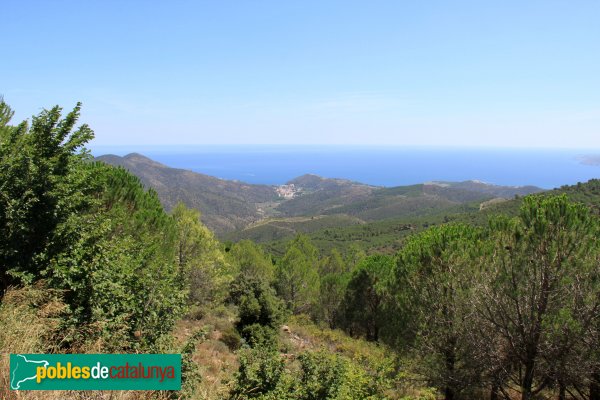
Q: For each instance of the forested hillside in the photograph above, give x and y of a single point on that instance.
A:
(237, 210)
(388, 235)
(226, 205)
(470, 301)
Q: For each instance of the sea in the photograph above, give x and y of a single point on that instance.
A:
(379, 166)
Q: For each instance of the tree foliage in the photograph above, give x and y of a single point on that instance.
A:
(260, 312)
(90, 230)
(298, 275)
(41, 186)
(251, 260)
(432, 278)
(334, 274)
(538, 297)
(362, 310)
(201, 261)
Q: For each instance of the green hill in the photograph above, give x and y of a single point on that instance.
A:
(225, 205)
(237, 210)
(316, 195)
(387, 235)
(380, 213)
(277, 228)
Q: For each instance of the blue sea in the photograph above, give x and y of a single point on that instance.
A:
(381, 166)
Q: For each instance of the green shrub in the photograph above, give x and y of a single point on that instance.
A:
(257, 335)
(260, 312)
(190, 374)
(231, 338)
(90, 231)
(327, 376)
(261, 373)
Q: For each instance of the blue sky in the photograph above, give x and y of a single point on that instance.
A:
(461, 73)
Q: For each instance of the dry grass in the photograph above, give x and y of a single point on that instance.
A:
(29, 319)
(217, 364)
(217, 368)
(305, 335)
(29, 323)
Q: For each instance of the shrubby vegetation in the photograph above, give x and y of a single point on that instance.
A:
(203, 268)
(499, 311)
(314, 375)
(89, 230)
(458, 308)
(510, 307)
(298, 276)
(362, 311)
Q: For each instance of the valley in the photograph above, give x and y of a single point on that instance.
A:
(236, 210)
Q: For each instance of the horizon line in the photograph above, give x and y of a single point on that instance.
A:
(341, 145)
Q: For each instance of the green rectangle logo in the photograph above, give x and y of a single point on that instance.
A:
(95, 371)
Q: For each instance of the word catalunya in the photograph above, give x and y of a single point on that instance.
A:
(103, 372)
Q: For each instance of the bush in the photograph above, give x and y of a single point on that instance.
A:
(260, 311)
(316, 376)
(90, 231)
(327, 376)
(190, 374)
(257, 335)
(260, 373)
(231, 338)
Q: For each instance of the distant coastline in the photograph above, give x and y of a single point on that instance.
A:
(377, 166)
(590, 159)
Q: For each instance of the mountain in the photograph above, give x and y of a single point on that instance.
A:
(225, 205)
(404, 204)
(308, 203)
(388, 235)
(505, 192)
(314, 183)
(335, 196)
(339, 207)
(314, 195)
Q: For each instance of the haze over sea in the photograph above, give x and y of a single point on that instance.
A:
(381, 166)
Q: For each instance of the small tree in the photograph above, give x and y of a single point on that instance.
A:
(202, 265)
(539, 290)
(251, 260)
(333, 280)
(40, 187)
(362, 309)
(431, 282)
(298, 276)
(260, 311)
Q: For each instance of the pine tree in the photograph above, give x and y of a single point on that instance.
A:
(298, 276)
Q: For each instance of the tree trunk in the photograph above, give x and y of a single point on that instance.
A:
(527, 382)
(595, 386)
(450, 363)
(562, 395)
(494, 392)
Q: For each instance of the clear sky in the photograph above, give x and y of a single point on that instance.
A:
(466, 73)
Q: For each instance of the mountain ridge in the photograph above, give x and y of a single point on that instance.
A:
(225, 205)
(232, 205)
